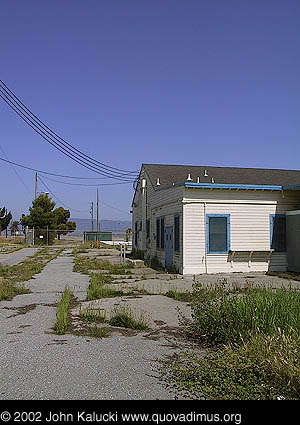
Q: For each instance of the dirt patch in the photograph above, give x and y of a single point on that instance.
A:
(22, 310)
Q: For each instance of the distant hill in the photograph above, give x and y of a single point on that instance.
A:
(117, 227)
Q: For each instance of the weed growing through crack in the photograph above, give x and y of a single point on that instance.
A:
(10, 276)
(92, 314)
(62, 324)
(96, 332)
(100, 287)
(124, 317)
(179, 296)
(84, 265)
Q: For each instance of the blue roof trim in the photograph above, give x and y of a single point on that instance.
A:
(291, 187)
(231, 186)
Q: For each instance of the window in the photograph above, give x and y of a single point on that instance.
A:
(147, 229)
(217, 233)
(157, 232)
(160, 232)
(135, 233)
(176, 233)
(278, 232)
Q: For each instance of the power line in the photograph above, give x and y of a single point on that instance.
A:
(63, 146)
(59, 175)
(82, 184)
(101, 202)
(50, 191)
(44, 135)
(15, 171)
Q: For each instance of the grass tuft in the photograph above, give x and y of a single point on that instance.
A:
(62, 324)
(124, 317)
(99, 287)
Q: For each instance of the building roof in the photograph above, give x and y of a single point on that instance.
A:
(169, 175)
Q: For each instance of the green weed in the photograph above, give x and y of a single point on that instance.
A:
(62, 324)
(125, 317)
(99, 287)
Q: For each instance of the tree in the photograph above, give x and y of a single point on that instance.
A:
(14, 228)
(63, 226)
(4, 218)
(46, 220)
(128, 234)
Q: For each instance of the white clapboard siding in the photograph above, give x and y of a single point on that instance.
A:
(249, 229)
(150, 204)
(249, 226)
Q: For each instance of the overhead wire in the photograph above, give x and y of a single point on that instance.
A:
(83, 184)
(101, 202)
(59, 143)
(58, 175)
(54, 196)
(24, 107)
(80, 161)
(15, 171)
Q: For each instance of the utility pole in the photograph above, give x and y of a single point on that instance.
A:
(92, 214)
(36, 186)
(98, 224)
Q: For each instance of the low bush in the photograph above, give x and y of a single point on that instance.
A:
(223, 317)
(253, 345)
(263, 368)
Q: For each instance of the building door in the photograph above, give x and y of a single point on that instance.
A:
(169, 247)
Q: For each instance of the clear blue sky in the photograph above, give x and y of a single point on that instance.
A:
(209, 82)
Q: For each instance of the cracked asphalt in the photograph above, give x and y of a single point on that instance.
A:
(37, 364)
(17, 256)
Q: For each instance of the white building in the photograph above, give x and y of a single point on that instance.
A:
(202, 219)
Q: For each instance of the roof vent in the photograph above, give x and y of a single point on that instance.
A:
(189, 178)
(157, 182)
(212, 180)
(198, 179)
(205, 173)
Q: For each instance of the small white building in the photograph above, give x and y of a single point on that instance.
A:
(201, 219)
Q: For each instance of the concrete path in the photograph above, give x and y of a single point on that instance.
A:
(16, 257)
(36, 364)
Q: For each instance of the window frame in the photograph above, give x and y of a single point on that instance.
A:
(227, 216)
(272, 217)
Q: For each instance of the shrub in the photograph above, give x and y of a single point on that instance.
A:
(229, 317)
(265, 367)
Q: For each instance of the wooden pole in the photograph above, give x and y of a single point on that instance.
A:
(36, 186)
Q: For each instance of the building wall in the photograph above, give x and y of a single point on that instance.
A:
(151, 204)
(249, 229)
(249, 212)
